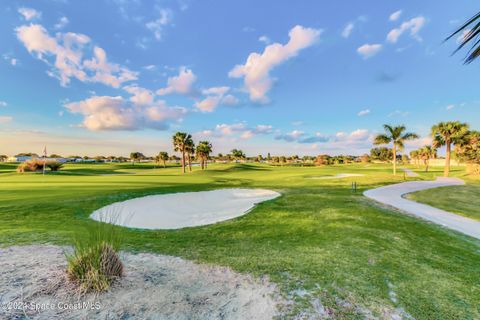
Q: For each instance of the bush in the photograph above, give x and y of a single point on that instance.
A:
(95, 263)
(54, 165)
(30, 166)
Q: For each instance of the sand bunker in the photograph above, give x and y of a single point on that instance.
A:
(179, 210)
(154, 287)
(339, 176)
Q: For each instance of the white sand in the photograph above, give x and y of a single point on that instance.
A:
(186, 209)
(339, 176)
(393, 195)
(153, 287)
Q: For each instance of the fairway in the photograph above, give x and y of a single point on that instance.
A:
(319, 241)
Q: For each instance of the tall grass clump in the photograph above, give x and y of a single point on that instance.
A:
(95, 262)
(30, 166)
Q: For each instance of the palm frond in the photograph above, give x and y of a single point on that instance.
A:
(382, 139)
(469, 37)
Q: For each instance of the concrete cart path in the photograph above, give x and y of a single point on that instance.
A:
(392, 195)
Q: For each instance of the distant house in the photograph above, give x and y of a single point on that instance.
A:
(19, 158)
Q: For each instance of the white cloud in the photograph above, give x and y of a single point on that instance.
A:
(292, 136)
(399, 113)
(115, 113)
(394, 16)
(29, 13)
(108, 73)
(181, 84)
(450, 107)
(369, 50)
(239, 129)
(264, 39)
(462, 37)
(3, 104)
(62, 22)
(140, 96)
(256, 70)
(338, 140)
(68, 51)
(214, 97)
(347, 31)
(156, 26)
(363, 112)
(5, 119)
(413, 25)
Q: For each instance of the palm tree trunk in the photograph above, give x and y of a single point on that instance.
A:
(446, 172)
(394, 159)
(164, 164)
(206, 160)
(183, 161)
(189, 163)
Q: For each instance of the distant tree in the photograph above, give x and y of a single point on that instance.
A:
(54, 155)
(321, 160)
(415, 155)
(405, 159)
(181, 143)
(54, 165)
(136, 156)
(446, 133)
(397, 136)
(203, 151)
(365, 158)
(162, 156)
(269, 157)
(470, 31)
(99, 158)
(3, 158)
(238, 154)
(282, 159)
(259, 158)
(381, 154)
(427, 153)
(27, 154)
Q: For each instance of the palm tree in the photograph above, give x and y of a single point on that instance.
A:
(397, 136)
(426, 153)
(238, 154)
(181, 142)
(190, 149)
(204, 149)
(446, 133)
(162, 156)
(414, 155)
(469, 32)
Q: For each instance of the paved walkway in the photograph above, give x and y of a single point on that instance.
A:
(410, 173)
(392, 195)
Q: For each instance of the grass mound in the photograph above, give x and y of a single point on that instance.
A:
(95, 262)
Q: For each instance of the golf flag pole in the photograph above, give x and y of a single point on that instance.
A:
(44, 158)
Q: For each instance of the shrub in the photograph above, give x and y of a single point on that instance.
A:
(30, 166)
(95, 263)
(54, 165)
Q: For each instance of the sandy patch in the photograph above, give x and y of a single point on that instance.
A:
(154, 287)
(339, 176)
(186, 209)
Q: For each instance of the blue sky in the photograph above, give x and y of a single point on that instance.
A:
(304, 77)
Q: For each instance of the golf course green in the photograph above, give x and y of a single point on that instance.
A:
(319, 240)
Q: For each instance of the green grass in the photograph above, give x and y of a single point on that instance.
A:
(319, 236)
(462, 200)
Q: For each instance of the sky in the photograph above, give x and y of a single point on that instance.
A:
(109, 77)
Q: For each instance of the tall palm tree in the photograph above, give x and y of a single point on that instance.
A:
(181, 141)
(446, 133)
(190, 149)
(204, 149)
(469, 32)
(426, 153)
(397, 136)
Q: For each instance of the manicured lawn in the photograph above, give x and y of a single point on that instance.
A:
(319, 236)
(462, 200)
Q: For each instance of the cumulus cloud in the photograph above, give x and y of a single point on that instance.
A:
(347, 31)
(157, 25)
(394, 16)
(338, 139)
(5, 119)
(182, 84)
(256, 70)
(363, 112)
(413, 25)
(3, 104)
(62, 22)
(214, 97)
(116, 113)
(369, 50)
(140, 96)
(239, 129)
(264, 39)
(29, 13)
(68, 51)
